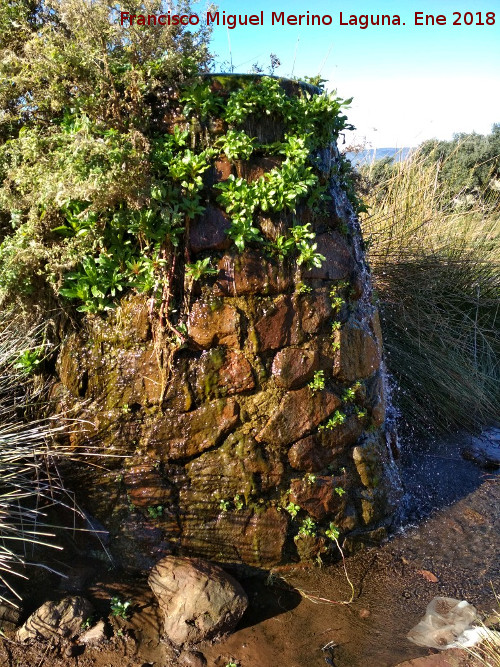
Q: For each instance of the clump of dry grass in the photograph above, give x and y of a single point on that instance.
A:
(435, 271)
(29, 479)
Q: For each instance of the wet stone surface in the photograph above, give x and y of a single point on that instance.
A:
(214, 418)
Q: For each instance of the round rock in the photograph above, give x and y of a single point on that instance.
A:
(197, 598)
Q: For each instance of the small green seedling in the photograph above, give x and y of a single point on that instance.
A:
(200, 269)
(87, 623)
(28, 361)
(238, 503)
(307, 528)
(302, 288)
(292, 509)
(333, 532)
(339, 491)
(155, 512)
(360, 414)
(318, 382)
(224, 505)
(349, 394)
(120, 607)
(335, 420)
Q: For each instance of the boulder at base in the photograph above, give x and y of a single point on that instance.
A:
(57, 619)
(198, 599)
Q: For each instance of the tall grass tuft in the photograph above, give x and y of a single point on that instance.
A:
(29, 480)
(435, 264)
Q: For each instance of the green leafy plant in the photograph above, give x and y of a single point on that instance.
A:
(332, 532)
(292, 509)
(310, 478)
(307, 528)
(337, 303)
(156, 512)
(339, 491)
(200, 268)
(120, 608)
(28, 360)
(318, 382)
(335, 420)
(350, 393)
(302, 288)
(224, 505)
(236, 144)
(99, 280)
(86, 624)
(282, 246)
(360, 413)
(239, 503)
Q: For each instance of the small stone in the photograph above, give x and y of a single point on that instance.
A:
(318, 498)
(364, 613)
(252, 273)
(9, 614)
(309, 547)
(198, 599)
(484, 451)
(221, 372)
(300, 412)
(369, 460)
(314, 310)
(251, 170)
(235, 375)
(293, 367)
(192, 659)
(145, 486)
(239, 467)
(377, 400)
(358, 355)
(220, 171)
(177, 436)
(211, 324)
(209, 231)
(342, 436)
(56, 619)
(72, 650)
(260, 536)
(309, 455)
(94, 635)
(275, 328)
(339, 262)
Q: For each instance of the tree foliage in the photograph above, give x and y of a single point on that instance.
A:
(81, 101)
(469, 163)
(467, 168)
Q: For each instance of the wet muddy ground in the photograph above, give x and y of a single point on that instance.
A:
(294, 618)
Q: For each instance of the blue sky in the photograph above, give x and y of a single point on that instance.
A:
(409, 83)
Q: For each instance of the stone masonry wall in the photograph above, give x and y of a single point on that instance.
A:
(214, 456)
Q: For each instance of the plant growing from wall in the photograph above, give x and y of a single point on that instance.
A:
(102, 198)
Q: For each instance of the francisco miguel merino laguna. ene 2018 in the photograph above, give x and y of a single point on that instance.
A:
(277, 18)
